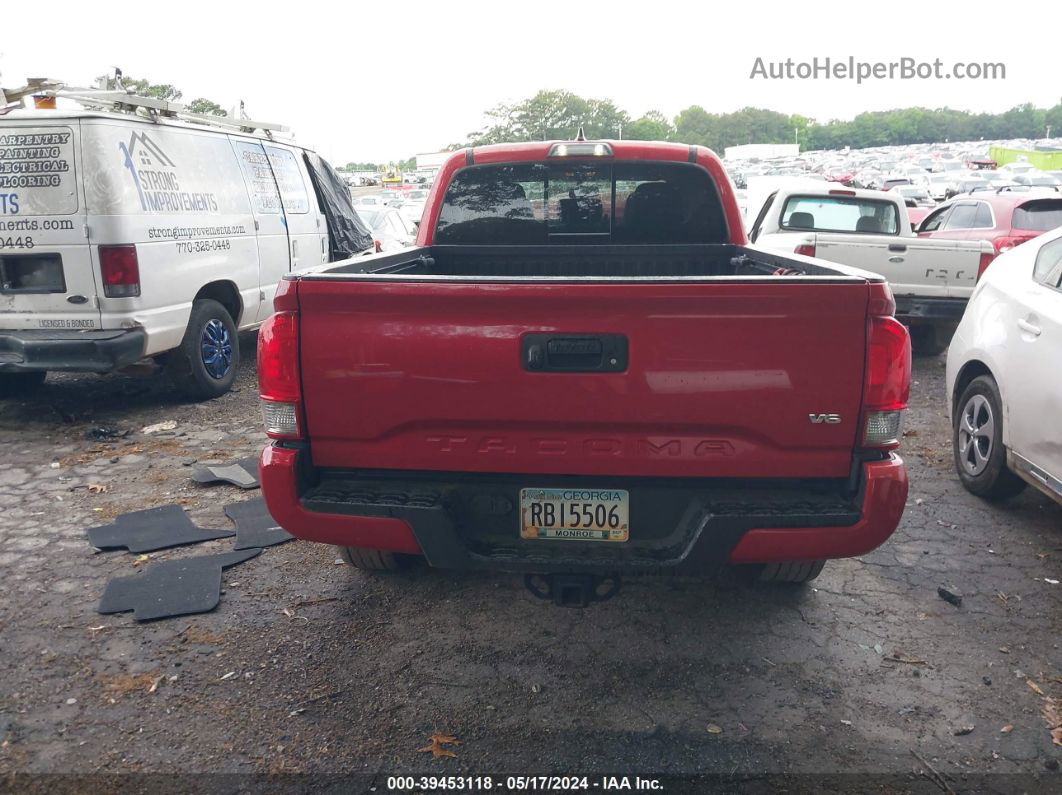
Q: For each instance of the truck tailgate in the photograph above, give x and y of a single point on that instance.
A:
(730, 379)
(927, 267)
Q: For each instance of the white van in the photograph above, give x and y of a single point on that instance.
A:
(124, 237)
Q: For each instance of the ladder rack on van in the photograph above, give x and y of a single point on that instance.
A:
(122, 101)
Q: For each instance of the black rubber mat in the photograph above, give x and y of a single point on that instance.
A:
(155, 528)
(254, 525)
(242, 473)
(172, 587)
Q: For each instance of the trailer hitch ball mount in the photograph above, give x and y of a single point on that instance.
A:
(572, 590)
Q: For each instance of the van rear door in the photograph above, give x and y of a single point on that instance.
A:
(306, 231)
(274, 253)
(47, 278)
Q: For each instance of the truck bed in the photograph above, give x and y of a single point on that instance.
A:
(685, 360)
(582, 261)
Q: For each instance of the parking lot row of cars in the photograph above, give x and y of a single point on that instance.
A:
(941, 165)
(392, 215)
(976, 267)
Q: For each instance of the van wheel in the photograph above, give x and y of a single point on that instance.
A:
(977, 440)
(205, 364)
(16, 384)
(796, 571)
(371, 559)
(928, 340)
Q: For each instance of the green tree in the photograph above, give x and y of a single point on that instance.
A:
(551, 115)
(560, 114)
(145, 88)
(653, 126)
(165, 91)
(203, 105)
(1024, 121)
(800, 125)
(695, 125)
(1053, 119)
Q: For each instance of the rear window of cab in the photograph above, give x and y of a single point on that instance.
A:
(847, 214)
(1038, 216)
(581, 202)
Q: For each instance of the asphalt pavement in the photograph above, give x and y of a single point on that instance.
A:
(310, 670)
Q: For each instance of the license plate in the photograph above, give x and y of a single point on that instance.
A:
(574, 514)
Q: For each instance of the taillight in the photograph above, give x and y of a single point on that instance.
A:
(888, 381)
(1010, 241)
(986, 260)
(278, 375)
(806, 249)
(120, 271)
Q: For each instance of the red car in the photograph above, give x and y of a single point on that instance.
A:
(1004, 218)
(916, 214)
(582, 370)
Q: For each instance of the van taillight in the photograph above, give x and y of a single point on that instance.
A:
(806, 249)
(278, 375)
(888, 381)
(120, 271)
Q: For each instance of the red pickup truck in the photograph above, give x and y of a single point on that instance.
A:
(582, 370)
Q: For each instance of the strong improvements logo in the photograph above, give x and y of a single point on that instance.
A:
(156, 178)
(861, 71)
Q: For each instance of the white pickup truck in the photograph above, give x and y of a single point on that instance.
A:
(931, 279)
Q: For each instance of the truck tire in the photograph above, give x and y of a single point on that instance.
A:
(205, 364)
(927, 340)
(371, 559)
(18, 384)
(796, 571)
(977, 441)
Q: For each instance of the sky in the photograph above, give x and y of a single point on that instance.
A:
(381, 81)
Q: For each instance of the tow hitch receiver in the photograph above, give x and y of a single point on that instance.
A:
(572, 590)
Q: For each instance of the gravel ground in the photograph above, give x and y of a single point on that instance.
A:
(309, 667)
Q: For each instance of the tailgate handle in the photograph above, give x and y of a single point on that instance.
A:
(574, 353)
(575, 347)
(897, 247)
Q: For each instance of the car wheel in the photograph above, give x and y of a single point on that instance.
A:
(17, 384)
(371, 559)
(796, 571)
(927, 340)
(977, 439)
(205, 364)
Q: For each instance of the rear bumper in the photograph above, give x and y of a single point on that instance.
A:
(708, 526)
(73, 351)
(932, 310)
